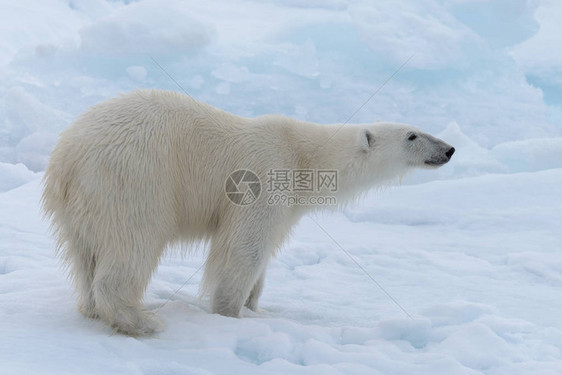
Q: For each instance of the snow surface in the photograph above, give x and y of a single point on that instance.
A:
(491, 67)
(471, 251)
(476, 262)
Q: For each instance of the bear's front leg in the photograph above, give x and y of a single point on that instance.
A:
(236, 279)
(238, 257)
(252, 301)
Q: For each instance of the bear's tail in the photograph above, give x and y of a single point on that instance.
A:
(55, 198)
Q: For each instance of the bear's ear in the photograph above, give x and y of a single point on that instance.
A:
(366, 139)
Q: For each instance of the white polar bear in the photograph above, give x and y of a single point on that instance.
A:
(144, 170)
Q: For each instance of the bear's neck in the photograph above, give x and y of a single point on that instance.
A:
(332, 148)
(322, 146)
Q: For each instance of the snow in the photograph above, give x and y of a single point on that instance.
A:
(317, 61)
(470, 251)
(475, 262)
(14, 175)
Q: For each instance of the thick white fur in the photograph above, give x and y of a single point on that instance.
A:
(144, 170)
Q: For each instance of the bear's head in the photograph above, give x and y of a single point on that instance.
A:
(392, 149)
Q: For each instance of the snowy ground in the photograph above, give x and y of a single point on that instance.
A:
(476, 262)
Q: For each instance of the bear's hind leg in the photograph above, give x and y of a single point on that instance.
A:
(82, 266)
(120, 281)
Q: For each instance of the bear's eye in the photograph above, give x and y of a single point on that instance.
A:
(412, 137)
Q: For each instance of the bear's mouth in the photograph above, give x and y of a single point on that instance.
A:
(435, 163)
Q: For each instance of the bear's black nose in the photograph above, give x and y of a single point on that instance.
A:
(450, 153)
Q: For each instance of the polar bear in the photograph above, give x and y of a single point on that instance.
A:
(145, 170)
